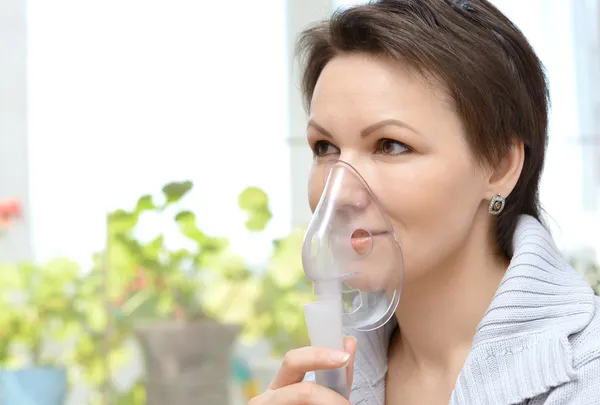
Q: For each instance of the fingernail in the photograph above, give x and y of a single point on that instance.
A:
(340, 357)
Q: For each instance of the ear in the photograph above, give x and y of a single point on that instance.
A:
(505, 175)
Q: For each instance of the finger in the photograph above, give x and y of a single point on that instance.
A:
(350, 344)
(298, 362)
(302, 393)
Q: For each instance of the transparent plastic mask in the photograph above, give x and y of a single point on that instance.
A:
(351, 252)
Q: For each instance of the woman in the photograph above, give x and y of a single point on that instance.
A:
(455, 102)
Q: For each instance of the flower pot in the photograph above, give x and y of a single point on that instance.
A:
(33, 386)
(187, 363)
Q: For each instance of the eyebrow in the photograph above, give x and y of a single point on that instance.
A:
(368, 130)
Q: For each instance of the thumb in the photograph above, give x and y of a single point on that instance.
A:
(350, 344)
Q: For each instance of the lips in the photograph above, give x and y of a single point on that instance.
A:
(362, 233)
(362, 240)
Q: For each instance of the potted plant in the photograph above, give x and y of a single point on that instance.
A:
(161, 290)
(36, 319)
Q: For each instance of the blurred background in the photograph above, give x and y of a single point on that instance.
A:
(153, 169)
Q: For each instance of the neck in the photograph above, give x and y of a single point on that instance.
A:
(439, 314)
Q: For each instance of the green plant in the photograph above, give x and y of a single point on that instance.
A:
(37, 309)
(269, 305)
(149, 280)
(101, 347)
(284, 290)
(54, 315)
(208, 278)
(92, 313)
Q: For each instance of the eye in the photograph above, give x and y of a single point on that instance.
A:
(324, 148)
(391, 147)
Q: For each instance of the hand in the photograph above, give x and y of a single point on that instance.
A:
(287, 388)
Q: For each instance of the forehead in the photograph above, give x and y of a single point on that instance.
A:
(365, 84)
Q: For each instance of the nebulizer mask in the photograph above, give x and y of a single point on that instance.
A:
(353, 258)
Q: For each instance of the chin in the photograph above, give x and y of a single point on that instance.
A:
(374, 277)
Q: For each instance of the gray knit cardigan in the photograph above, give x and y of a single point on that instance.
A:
(538, 343)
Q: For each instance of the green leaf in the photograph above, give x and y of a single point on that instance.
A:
(135, 396)
(231, 302)
(96, 315)
(229, 265)
(61, 270)
(176, 190)
(95, 371)
(258, 221)
(145, 203)
(255, 203)
(286, 263)
(120, 357)
(215, 245)
(153, 249)
(69, 330)
(186, 220)
(10, 277)
(136, 301)
(253, 198)
(27, 271)
(121, 221)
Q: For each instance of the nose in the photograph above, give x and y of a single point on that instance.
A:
(348, 190)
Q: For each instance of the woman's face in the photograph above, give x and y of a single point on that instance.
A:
(402, 136)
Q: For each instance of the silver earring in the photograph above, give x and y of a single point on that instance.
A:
(497, 204)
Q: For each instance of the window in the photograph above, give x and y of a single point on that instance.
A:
(125, 96)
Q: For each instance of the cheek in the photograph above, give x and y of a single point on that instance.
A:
(442, 190)
(432, 206)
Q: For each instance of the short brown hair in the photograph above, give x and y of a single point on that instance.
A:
(492, 74)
